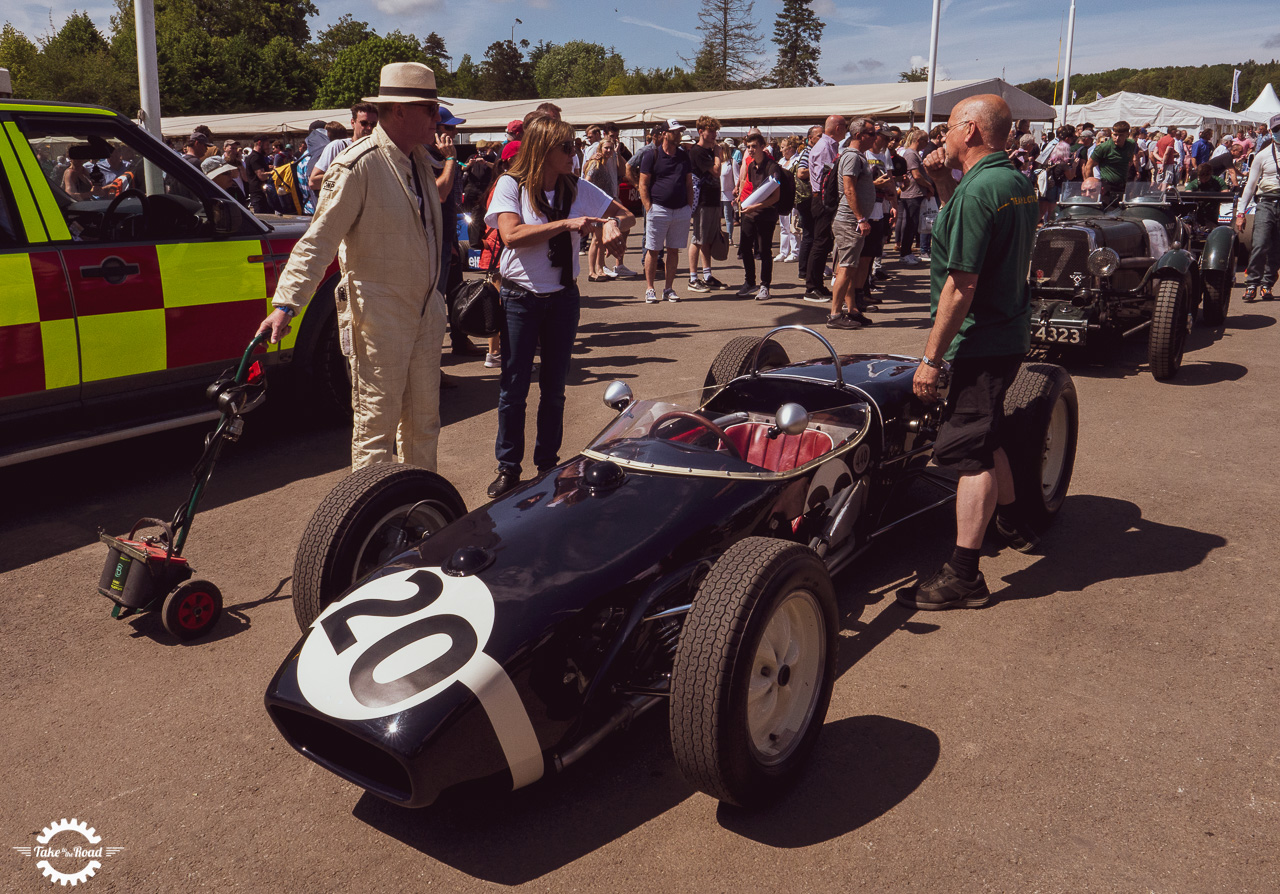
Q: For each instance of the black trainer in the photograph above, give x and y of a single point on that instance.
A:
(506, 480)
(1017, 535)
(945, 589)
(715, 283)
(842, 321)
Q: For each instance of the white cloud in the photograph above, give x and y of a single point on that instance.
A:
(402, 7)
(643, 24)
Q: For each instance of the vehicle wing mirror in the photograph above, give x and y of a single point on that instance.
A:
(226, 216)
(618, 396)
(791, 419)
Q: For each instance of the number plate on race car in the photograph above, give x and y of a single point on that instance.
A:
(1059, 335)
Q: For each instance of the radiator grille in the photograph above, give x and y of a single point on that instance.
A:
(1058, 253)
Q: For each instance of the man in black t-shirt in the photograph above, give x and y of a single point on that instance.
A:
(666, 188)
(758, 221)
(257, 169)
(706, 157)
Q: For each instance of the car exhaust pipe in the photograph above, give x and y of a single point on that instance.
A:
(623, 717)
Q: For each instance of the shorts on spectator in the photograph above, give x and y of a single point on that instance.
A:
(971, 430)
(666, 227)
(704, 222)
(849, 241)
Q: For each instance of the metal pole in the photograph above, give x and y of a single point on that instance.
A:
(933, 65)
(144, 20)
(1066, 77)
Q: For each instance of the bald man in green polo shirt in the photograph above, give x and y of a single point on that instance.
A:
(981, 310)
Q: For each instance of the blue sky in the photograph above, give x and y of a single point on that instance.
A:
(863, 42)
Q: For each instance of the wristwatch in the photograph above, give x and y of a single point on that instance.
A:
(289, 311)
(934, 364)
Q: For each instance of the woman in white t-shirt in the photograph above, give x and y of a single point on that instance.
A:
(542, 211)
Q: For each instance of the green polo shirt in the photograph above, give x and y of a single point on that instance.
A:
(1113, 162)
(987, 227)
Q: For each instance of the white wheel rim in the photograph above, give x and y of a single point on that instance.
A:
(1055, 448)
(427, 516)
(786, 677)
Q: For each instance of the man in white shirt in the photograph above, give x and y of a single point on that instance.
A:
(364, 117)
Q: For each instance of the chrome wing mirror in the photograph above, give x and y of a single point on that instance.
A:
(618, 396)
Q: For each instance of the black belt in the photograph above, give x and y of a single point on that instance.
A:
(1266, 198)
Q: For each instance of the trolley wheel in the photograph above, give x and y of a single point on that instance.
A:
(191, 610)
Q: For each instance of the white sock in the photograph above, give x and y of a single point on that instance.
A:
(706, 272)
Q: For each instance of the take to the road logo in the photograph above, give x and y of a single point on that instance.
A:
(69, 852)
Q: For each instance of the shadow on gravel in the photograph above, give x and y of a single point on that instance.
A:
(1249, 322)
(520, 836)
(1100, 538)
(862, 768)
(1209, 372)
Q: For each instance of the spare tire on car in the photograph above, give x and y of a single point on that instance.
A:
(734, 360)
(1041, 424)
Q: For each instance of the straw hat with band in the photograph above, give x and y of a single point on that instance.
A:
(406, 82)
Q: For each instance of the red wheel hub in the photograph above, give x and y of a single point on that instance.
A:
(195, 609)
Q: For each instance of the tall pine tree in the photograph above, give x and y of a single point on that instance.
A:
(729, 56)
(798, 33)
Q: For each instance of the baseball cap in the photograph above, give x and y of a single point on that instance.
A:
(674, 126)
(1274, 123)
(198, 137)
(448, 119)
(1086, 133)
(213, 161)
(219, 170)
(509, 151)
(516, 128)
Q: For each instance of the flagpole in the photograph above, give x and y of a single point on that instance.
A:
(933, 65)
(1066, 79)
(1057, 66)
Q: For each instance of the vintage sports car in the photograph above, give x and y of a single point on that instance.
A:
(684, 559)
(1147, 267)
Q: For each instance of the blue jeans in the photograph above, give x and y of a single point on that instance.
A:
(1264, 258)
(532, 319)
(727, 207)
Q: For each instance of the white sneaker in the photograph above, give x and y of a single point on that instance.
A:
(650, 296)
(623, 270)
(791, 258)
(911, 261)
(492, 361)
(612, 273)
(763, 294)
(670, 295)
(780, 257)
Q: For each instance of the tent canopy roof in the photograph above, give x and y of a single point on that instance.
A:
(809, 105)
(1266, 105)
(1139, 108)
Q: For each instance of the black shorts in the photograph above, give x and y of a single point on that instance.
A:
(873, 247)
(975, 412)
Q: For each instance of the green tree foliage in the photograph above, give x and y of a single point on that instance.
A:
(18, 54)
(505, 73)
(257, 21)
(342, 34)
(651, 81)
(576, 68)
(433, 47)
(1210, 84)
(354, 74)
(76, 65)
(797, 32)
(465, 80)
(729, 56)
(920, 73)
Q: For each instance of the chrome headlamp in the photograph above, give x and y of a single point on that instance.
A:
(1102, 262)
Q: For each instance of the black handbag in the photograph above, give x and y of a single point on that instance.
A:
(475, 307)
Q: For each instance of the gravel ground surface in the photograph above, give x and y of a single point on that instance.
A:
(1109, 723)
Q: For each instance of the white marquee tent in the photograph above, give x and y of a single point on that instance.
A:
(1265, 106)
(793, 106)
(1139, 108)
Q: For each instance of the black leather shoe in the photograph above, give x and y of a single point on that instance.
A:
(505, 481)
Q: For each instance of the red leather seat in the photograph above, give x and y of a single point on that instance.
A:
(781, 454)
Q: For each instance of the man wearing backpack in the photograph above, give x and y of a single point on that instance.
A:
(758, 220)
(822, 159)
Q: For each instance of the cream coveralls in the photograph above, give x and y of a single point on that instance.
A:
(391, 317)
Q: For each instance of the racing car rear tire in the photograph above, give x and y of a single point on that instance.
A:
(1041, 417)
(1169, 324)
(754, 671)
(734, 360)
(354, 530)
(1217, 295)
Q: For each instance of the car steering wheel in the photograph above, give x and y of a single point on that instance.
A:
(704, 423)
(111, 218)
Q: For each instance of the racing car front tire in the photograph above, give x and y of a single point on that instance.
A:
(1041, 418)
(734, 360)
(372, 515)
(754, 671)
(1169, 324)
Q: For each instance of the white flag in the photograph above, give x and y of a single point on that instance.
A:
(1073, 96)
(1235, 86)
(1097, 95)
